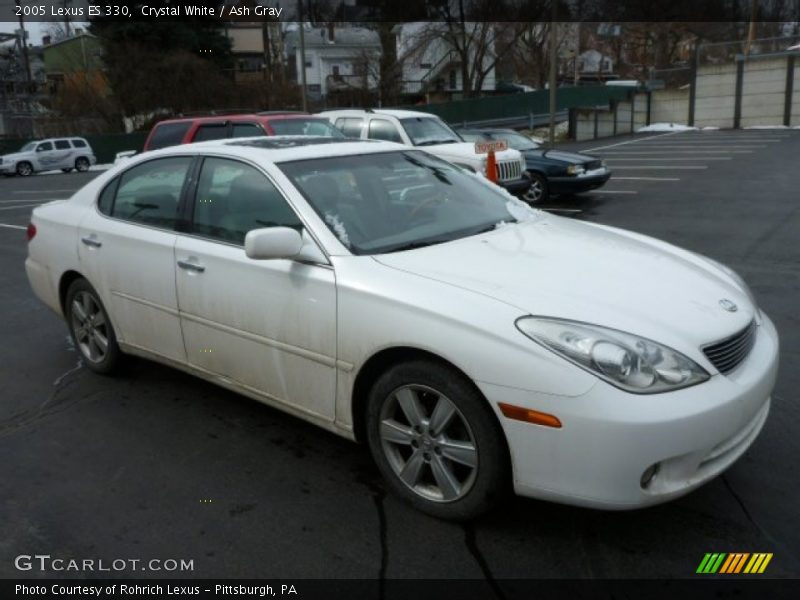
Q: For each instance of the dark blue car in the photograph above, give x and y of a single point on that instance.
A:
(552, 172)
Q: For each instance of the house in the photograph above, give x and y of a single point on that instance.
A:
(337, 59)
(74, 61)
(431, 65)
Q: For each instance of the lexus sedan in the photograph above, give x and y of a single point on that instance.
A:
(552, 172)
(473, 343)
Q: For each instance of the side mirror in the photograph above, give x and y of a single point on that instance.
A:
(40, 149)
(272, 243)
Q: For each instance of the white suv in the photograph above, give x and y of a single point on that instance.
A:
(48, 155)
(430, 133)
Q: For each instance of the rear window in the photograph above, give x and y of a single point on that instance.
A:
(62, 145)
(350, 126)
(168, 134)
(79, 143)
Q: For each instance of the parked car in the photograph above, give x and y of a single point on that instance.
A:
(386, 295)
(186, 130)
(429, 132)
(49, 155)
(551, 171)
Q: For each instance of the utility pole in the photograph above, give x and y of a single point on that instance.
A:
(751, 32)
(302, 56)
(66, 18)
(553, 64)
(24, 44)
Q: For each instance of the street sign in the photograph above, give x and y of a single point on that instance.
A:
(493, 146)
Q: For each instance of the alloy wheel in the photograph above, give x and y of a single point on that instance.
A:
(428, 443)
(24, 169)
(535, 192)
(82, 165)
(90, 327)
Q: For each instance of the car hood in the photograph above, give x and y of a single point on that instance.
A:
(572, 158)
(463, 150)
(556, 267)
(14, 156)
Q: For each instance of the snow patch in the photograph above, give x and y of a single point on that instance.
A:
(665, 127)
(709, 128)
(767, 127)
(338, 228)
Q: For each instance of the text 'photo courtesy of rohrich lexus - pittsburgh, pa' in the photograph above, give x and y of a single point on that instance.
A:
(474, 344)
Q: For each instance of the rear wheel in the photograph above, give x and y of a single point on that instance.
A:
(24, 169)
(82, 164)
(436, 441)
(91, 328)
(538, 192)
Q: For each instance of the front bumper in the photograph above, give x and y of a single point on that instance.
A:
(516, 186)
(579, 183)
(610, 437)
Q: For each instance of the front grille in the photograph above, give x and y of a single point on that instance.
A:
(509, 170)
(592, 165)
(729, 353)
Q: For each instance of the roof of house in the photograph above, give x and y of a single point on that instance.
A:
(317, 37)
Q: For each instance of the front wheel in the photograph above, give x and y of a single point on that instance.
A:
(91, 329)
(82, 164)
(538, 192)
(24, 169)
(436, 441)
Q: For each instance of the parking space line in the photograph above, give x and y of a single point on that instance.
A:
(650, 137)
(9, 226)
(646, 178)
(17, 207)
(42, 191)
(18, 200)
(671, 151)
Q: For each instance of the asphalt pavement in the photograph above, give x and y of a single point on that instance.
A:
(157, 464)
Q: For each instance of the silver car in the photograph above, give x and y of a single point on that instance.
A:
(48, 155)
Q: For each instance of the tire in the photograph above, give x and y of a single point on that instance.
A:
(69, 170)
(81, 164)
(539, 191)
(454, 470)
(24, 169)
(89, 324)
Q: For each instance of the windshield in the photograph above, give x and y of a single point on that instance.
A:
(426, 131)
(387, 202)
(321, 127)
(28, 147)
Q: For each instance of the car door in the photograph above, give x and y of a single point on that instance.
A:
(63, 155)
(126, 251)
(269, 325)
(45, 156)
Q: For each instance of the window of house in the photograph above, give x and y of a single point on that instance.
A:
(234, 198)
(453, 80)
(380, 129)
(149, 193)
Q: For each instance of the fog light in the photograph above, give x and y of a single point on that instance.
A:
(649, 475)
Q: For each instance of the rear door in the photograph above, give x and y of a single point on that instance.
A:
(126, 249)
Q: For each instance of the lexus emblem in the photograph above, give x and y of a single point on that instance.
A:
(728, 305)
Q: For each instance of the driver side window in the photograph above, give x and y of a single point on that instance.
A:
(44, 147)
(233, 198)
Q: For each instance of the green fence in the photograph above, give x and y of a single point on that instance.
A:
(524, 105)
(105, 146)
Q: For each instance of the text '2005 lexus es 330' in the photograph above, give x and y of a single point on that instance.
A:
(474, 343)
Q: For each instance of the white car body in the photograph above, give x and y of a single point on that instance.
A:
(510, 162)
(49, 155)
(302, 331)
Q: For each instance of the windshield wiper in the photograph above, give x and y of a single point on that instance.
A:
(415, 245)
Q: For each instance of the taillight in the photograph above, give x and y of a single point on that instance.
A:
(31, 231)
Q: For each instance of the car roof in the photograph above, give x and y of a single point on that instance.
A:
(260, 117)
(400, 114)
(283, 148)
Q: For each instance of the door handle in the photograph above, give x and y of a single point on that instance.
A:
(90, 241)
(191, 266)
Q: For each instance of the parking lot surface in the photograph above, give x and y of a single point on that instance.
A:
(157, 464)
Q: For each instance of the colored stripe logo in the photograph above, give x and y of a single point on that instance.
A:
(734, 563)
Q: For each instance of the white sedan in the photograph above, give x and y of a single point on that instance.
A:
(472, 342)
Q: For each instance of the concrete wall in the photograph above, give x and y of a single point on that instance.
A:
(669, 106)
(763, 92)
(796, 96)
(715, 97)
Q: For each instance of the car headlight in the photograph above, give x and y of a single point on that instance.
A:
(626, 361)
(575, 170)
